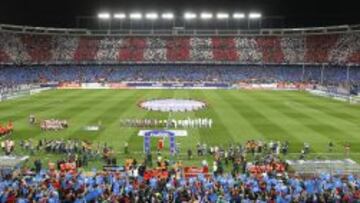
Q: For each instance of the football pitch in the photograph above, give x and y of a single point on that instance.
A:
(238, 116)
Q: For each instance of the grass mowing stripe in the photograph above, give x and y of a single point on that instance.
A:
(262, 122)
(24, 100)
(126, 134)
(220, 133)
(326, 131)
(329, 125)
(232, 116)
(314, 123)
(338, 111)
(25, 131)
(24, 110)
(299, 128)
(109, 105)
(333, 104)
(241, 113)
(76, 105)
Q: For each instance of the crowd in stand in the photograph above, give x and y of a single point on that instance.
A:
(263, 180)
(75, 152)
(48, 49)
(23, 50)
(8, 146)
(177, 73)
(54, 186)
(238, 152)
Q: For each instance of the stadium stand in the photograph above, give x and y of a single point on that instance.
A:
(265, 180)
(336, 49)
(312, 58)
(87, 49)
(181, 73)
(53, 186)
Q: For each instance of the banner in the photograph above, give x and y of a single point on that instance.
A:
(176, 85)
(71, 85)
(159, 133)
(190, 172)
(118, 85)
(50, 84)
(177, 133)
(274, 86)
(94, 85)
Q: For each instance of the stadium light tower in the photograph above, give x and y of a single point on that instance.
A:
(104, 16)
(254, 15)
(167, 16)
(206, 16)
(135, 16)
(238, 16)
(152, 16)
(119, 16)
(222, 16)
(190, 16)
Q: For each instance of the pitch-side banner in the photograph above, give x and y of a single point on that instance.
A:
(71, 85)
(177, 133)
(94, 85)
(118, 86)
(170, 85)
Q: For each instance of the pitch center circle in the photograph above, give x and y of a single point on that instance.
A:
(173, 105)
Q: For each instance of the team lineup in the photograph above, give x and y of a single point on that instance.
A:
(171, 123)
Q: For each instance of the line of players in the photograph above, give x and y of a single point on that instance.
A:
(53, 125)
(49, 124)
(171, 123)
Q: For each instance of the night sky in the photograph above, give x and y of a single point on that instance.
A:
(62, 13)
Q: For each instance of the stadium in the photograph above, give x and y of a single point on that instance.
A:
(155, 107)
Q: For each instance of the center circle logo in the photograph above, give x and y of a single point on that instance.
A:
(173, 105)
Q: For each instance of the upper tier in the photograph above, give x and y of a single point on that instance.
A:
(45, 48)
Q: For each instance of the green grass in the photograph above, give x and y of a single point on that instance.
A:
(238, 116)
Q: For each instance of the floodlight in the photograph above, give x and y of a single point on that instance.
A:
(135, 16)
(189, 16)
(119, 16)
(151, 16)
(222, 16)
(167, 16)
(238, 15)
(104, 16)
(206, 16)
(254, 15)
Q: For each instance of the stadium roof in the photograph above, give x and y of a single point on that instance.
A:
(293, 13)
